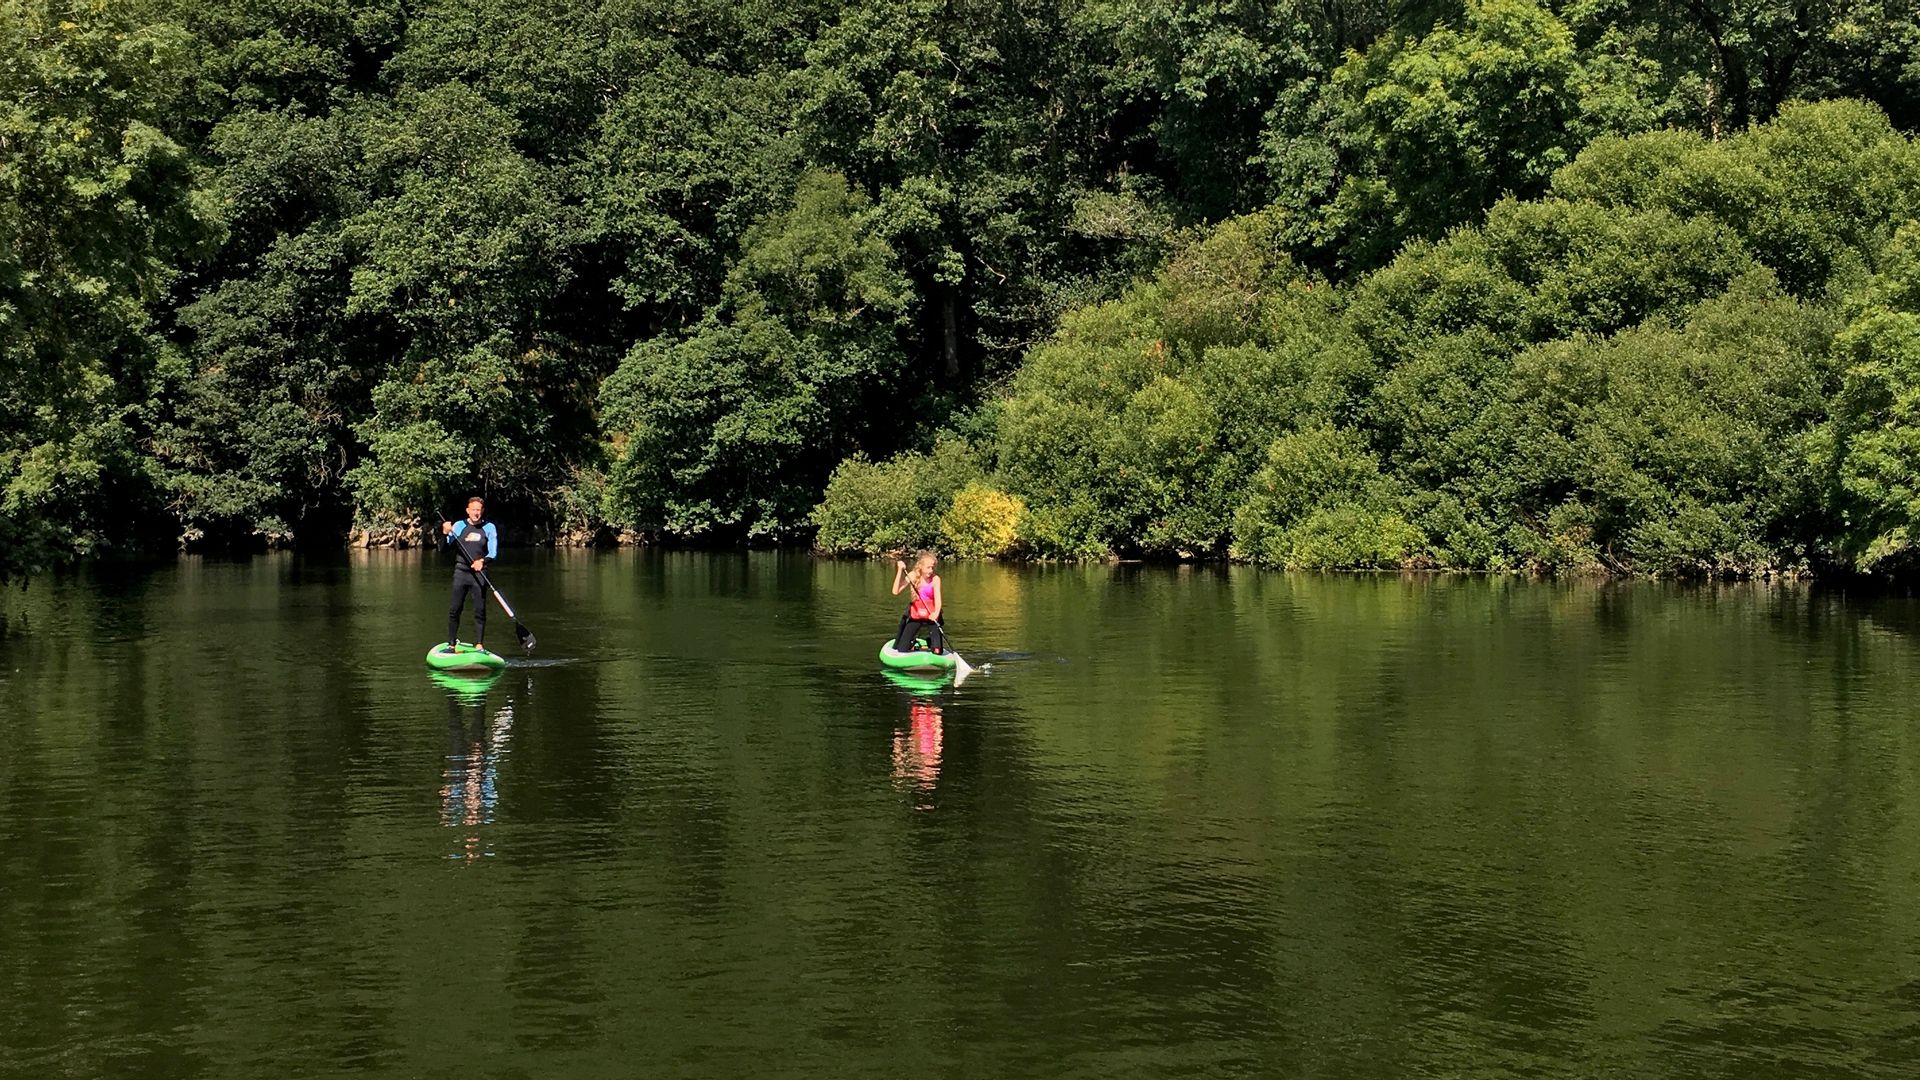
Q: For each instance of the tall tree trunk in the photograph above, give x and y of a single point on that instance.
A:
(1777, 72)
(1730, 70)
(950, 333)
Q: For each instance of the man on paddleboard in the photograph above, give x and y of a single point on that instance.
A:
(478, 542)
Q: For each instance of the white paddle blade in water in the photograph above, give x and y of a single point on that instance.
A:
(961, 669)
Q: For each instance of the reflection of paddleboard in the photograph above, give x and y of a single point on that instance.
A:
(919, 685)
(466, 685)
(919, 660)
(463, 657)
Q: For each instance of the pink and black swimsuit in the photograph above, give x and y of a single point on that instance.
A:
(919, 623)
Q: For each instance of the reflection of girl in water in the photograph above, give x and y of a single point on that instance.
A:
(470, 782)
(916, 751)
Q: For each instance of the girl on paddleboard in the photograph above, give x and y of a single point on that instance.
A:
(922, 618)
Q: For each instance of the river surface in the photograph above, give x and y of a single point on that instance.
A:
(1187, 822)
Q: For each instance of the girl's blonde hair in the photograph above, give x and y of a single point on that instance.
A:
(925, 556)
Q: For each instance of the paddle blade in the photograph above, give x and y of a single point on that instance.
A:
(961, 669)
(525, 635)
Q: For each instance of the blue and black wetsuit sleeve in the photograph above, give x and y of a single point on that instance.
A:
(453, 539)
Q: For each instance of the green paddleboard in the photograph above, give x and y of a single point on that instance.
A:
(919, 684)
(463, 657)
(915, 661)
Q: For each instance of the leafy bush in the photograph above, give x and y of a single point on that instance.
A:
(1811, 194)
(1320, 502)
(1307, 470)
(1343, 538)
(1072, 529)
(580, 508)
(1686, 442)
(982, 521)
(1462, 533)
(1560, 542)
(896, 505)
(871, 507)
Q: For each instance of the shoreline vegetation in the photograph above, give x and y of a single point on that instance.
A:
(1495, 286)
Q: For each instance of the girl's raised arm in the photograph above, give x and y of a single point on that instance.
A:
(899, 576)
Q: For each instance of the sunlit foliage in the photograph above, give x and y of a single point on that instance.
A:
(275, 271)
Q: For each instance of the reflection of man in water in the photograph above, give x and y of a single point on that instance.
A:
(916, 751)
(470, 782)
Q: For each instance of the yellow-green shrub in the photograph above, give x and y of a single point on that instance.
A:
(894, 505)
(982, 521)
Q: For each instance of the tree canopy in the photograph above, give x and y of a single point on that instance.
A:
(1489, 284)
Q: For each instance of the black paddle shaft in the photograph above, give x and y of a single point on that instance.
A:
(520, 631)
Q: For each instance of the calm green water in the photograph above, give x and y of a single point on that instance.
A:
(1190, 823)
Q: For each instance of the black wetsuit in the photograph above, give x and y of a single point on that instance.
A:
(466, 581)
(912, 628)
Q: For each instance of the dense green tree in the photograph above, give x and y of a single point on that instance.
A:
(98, 209)
(454, 264)
(255, 436)
(303, 55)
(1725, 64)
(1874, 444)
(254, 431)
(1192, 81)
(733, 429)
(682, 164)
(985, 142)
(1815, 194)
(1423, 132)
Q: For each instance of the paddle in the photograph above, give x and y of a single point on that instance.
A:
(961, 669)
(520, 631)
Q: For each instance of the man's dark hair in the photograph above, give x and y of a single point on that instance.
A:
(471, 499)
